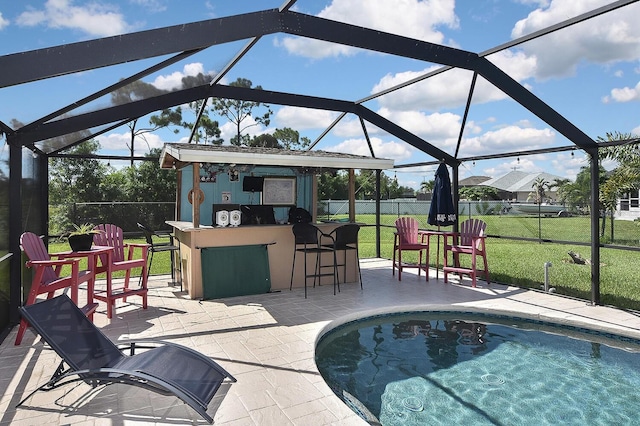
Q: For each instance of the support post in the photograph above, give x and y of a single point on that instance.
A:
(595, 228)
(15, 226)
(352, 196)
(378, 187)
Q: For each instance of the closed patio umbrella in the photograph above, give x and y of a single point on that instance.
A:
(441, 211)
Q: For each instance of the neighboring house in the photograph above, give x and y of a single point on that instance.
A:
(473, 181)
(628, 207)
(516, 185)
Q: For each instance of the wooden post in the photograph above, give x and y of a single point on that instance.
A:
(195, 196)
(177, 213)
(352, 196)
(314, 198)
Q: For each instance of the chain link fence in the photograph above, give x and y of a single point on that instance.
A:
(519, 245)
(503, 221)
(126, 215)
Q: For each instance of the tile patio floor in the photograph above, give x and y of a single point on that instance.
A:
(266, 341)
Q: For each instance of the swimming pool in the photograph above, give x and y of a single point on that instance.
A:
(469, 368)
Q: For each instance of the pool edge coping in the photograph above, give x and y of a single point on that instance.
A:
(573, 321)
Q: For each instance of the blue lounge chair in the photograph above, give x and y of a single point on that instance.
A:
(162, 367)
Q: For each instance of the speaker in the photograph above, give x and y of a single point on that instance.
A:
(222, 218)
(235, 217)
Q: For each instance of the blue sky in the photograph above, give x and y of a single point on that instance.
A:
(590, 73)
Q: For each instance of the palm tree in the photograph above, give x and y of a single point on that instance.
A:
(625, 177)
(562, 186)
(427, 186)
(540, 187)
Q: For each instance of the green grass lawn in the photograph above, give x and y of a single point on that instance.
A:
(161, 261)
(521, 263)
(515, 262)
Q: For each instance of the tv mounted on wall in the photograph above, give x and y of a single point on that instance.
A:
(252, 183)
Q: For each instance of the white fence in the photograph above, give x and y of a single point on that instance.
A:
(406, 207)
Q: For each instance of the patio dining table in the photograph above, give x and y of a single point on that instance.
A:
(445, 234)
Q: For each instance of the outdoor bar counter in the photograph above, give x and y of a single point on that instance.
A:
(279, 243)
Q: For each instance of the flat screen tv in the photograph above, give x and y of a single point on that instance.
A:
(252, 183)
(257, 214)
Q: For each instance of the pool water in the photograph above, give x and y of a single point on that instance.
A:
(444, 368)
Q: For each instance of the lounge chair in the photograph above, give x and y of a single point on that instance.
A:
(162, 367)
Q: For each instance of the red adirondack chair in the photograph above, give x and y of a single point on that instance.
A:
(121, 258)
(470, 240)
(46, 277)
(409, 238)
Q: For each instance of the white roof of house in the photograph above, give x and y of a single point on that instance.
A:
(516, 181)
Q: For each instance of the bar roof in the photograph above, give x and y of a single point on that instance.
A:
(179, 154)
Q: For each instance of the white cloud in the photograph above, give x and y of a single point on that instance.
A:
(394, 150)
(307, 118)
(303, 118)
(525, 164)
(412, 18)
(248, 126)
(174, 80)
(435, 128)
(446, 90)
(567, 165)
(95, 19)
(152, 5)
(609, 38)
(3, 22)
(516, 64)
(115, 143)
(507, 139)
(450, 89)
(314, 49)
(636, 131)
(625, 94)
(350, 127)
(539, 3)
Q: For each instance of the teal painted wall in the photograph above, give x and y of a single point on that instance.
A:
(214, 182)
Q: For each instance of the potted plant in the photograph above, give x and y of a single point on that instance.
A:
(81, 238)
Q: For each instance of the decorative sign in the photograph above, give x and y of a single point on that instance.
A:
(279, 191)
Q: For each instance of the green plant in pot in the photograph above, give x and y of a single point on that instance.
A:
(81, 238)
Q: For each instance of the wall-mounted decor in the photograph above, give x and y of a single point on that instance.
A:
(279, 191)
(208, 173)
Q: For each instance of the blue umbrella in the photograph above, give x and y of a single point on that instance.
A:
(441, 210)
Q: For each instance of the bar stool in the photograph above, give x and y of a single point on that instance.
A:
(158, 247)
(307, 241)
(346, 239)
